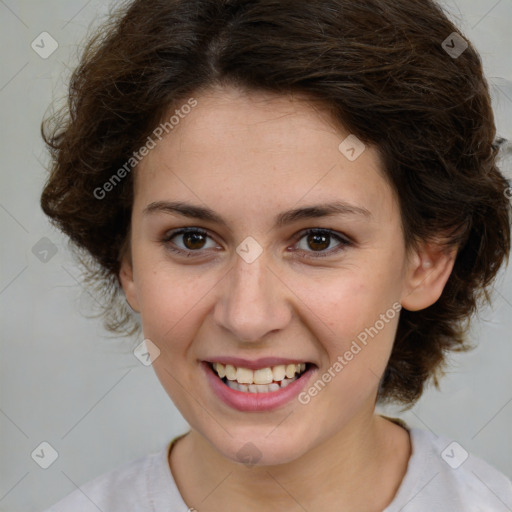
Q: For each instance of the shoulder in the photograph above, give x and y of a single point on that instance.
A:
(143, 484)
(443, 476)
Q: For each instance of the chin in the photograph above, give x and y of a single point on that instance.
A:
(258, 449)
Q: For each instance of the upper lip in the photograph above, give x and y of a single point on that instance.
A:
(255, 364)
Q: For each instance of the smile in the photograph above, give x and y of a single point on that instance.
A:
(262, 380)
(262, 387)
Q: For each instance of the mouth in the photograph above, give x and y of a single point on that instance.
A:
(259, 388)
(262, 380)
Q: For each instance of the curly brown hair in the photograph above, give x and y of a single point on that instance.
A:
(381, 68)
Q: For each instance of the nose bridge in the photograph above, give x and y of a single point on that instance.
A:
(252, 303)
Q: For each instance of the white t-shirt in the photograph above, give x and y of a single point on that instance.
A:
(440, 477)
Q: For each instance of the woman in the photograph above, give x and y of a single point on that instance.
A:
(300, 203)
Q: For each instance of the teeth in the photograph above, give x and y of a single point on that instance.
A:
(259, 388)
(220, 369)
(244, 376)
(279, 372)
(230, 371)
(264, 377)
(290, 370)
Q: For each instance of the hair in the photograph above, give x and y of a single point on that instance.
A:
(380, 68)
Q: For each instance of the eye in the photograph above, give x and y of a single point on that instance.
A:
(321, 239)
(193, 240)
(318, 242)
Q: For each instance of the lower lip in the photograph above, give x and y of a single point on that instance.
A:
(245, 401)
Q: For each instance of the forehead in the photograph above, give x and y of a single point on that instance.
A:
(259, 152)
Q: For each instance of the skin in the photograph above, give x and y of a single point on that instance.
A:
(249, 156)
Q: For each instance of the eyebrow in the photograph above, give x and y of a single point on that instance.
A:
(282, 219)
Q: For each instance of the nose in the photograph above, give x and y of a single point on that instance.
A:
(253, 301)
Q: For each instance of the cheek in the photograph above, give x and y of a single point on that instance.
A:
(355, 325)
(172, 300)
(172, 303)
(349, 303)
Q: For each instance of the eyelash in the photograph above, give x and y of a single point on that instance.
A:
(344, 241)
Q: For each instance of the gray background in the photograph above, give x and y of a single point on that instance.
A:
(64, 382)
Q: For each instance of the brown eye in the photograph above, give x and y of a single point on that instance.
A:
(194, 240)
(188, 241)
(321, 242)
(318, 242)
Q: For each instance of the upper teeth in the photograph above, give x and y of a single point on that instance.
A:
(261, 376)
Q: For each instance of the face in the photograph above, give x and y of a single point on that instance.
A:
(257, 244)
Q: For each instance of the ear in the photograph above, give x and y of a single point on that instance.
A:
(126, 278)
(428, 270)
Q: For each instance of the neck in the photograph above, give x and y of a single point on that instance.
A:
(360, 467)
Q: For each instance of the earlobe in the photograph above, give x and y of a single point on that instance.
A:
(428, 271)
(126, 277)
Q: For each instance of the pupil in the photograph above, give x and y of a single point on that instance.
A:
(191, 239)
(316, 238)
